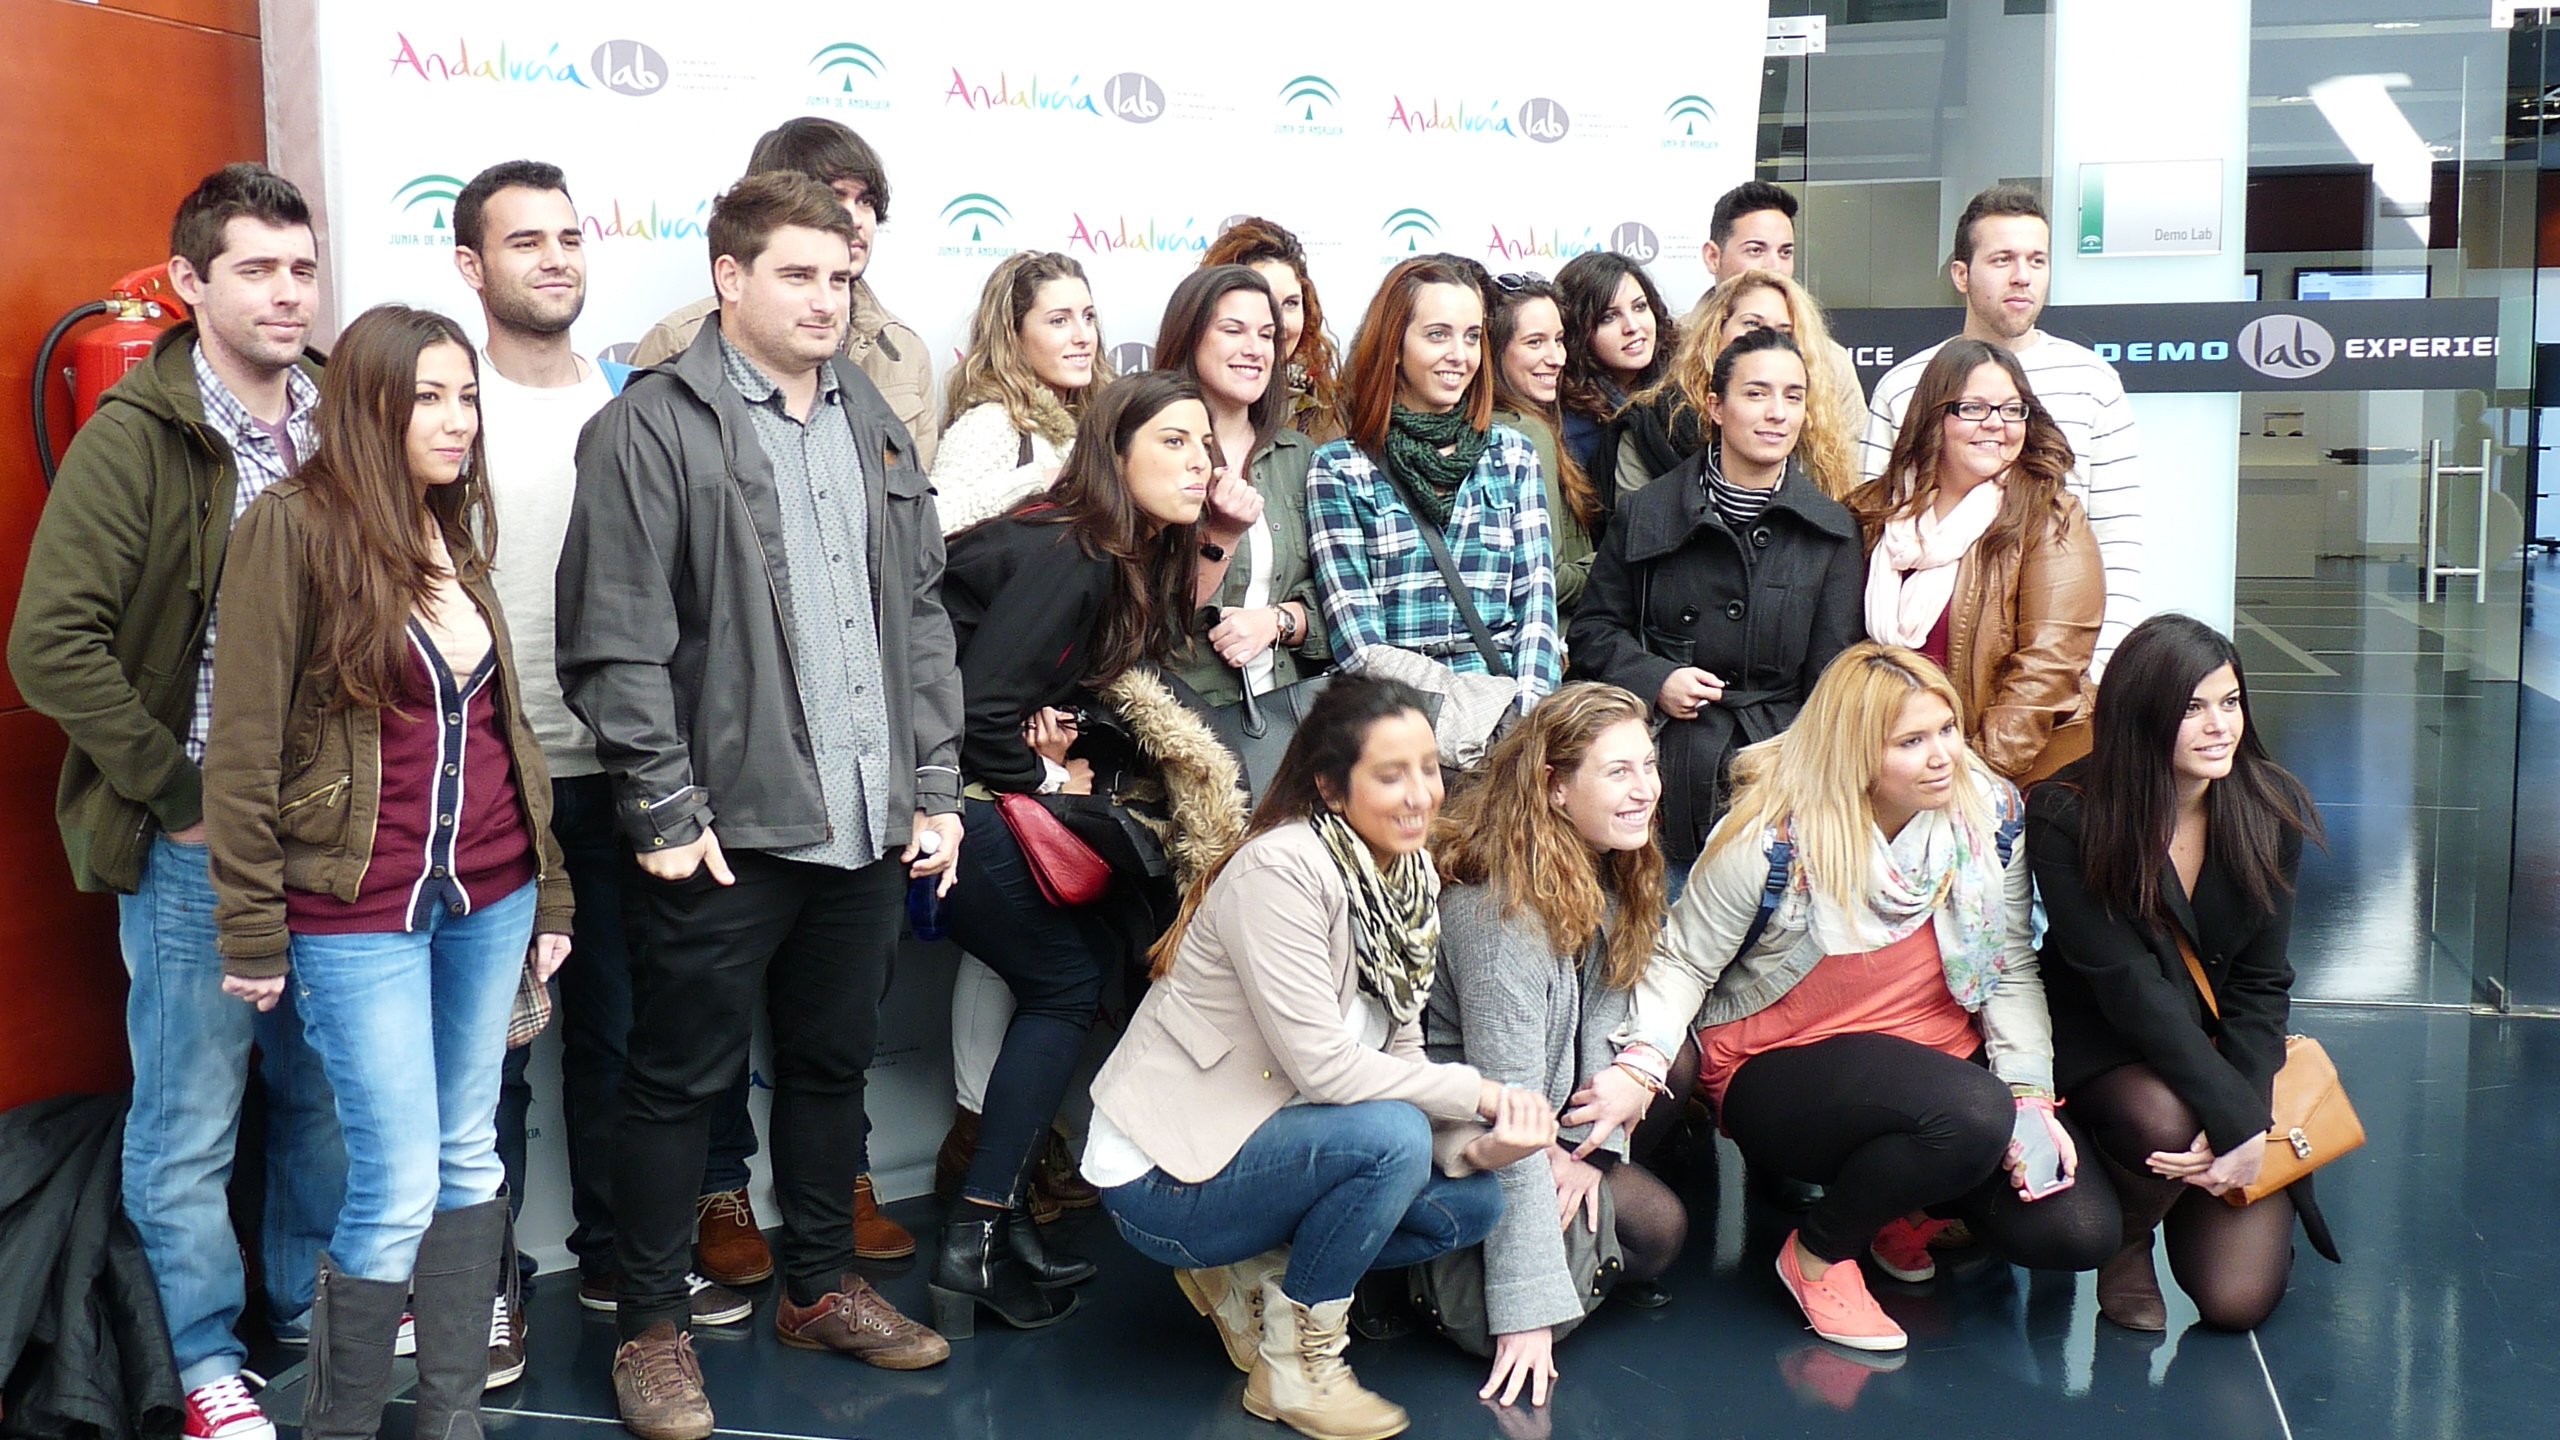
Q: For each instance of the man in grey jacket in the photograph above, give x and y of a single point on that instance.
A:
(750, 621)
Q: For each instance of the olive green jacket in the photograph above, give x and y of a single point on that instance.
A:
(1571, 542)
(1279, 471)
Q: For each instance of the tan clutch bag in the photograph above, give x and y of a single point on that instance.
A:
(2314, 1123)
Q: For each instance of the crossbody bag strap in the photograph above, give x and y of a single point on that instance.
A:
(1782, 858)
(1458, 596)
(2195, 968)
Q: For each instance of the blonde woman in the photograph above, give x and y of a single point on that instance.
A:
(1551, 895)
(1035, 354)
(1854, 957)
(1666, 423)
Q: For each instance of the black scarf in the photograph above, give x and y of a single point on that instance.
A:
(1430, 478)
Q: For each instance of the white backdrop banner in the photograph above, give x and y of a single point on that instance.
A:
(1124, 139)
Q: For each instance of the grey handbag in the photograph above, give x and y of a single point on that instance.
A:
(1449, 1291)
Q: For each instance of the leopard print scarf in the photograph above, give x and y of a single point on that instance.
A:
(1395, 918)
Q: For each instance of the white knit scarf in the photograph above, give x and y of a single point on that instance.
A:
(1912, 574)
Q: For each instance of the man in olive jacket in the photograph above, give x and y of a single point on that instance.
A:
(114, 639)
(750, 620)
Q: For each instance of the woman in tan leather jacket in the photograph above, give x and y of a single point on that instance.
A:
(1979, 559)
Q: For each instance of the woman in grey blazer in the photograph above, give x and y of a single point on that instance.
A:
(1268, 1125)
(1554, 897)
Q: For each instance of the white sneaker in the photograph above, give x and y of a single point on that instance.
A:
(223, 1410)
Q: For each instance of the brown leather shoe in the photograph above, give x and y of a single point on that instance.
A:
(1058, 1176)
(727, 1247)
(859, 1322)
(951, 1162)
(658, 1386)
(876, 1236)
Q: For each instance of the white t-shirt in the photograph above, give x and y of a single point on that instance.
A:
(1261, 669)
(2087, 401)
(532, 440)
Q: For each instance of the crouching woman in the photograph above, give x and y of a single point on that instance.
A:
(1269, 1126)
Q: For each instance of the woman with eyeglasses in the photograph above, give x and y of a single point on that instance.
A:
(1524, 332)
(1618, 340)
(1980, 559)
(1721, 591)
(1666, 422)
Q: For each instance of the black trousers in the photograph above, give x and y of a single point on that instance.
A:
(1888, 1126)
(813, 944)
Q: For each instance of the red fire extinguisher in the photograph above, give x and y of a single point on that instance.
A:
(139, 307)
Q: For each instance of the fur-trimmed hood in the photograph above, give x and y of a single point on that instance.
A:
(1203, 785)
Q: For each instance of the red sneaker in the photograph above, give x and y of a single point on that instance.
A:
(223, 1410)
(1838, 1305)
(1901, 1248)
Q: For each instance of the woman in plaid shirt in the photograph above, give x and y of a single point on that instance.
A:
(1421, 436)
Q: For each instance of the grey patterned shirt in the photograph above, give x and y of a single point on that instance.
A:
(835, 638)
(258, 460)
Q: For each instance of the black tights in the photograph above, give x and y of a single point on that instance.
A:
(2233, 1262)
(1652, 1223)
(1888, 1126)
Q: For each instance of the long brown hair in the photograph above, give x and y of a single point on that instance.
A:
(2033, 486)
(1187, 314)
(2129, 787)
(1151, 574)
(370, 562)
(1504, 831)
(993, 368)
(1501, 324)
(1252, 240)
(1377, 354)
(1315, 770)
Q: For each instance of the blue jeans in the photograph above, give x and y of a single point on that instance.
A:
(1349, 1188)
(412, 1028)
(595, 1028)
(1051, 958)
(190, 1069)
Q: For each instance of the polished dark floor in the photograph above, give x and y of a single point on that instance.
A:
(2440, 1326)
(2444, 1324)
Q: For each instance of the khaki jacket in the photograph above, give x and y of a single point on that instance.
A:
(292, 787)
(2020, 633)
(1256, 1013)
(879, 344)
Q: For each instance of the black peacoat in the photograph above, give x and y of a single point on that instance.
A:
(1763, 610)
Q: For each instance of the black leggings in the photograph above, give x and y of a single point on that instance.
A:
(1887, 1127)
(2233, 1262)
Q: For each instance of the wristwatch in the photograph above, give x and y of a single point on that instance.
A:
(1212, 550)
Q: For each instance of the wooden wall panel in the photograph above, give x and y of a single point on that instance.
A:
(112, 112)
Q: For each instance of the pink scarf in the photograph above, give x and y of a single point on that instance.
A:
(1912, 574)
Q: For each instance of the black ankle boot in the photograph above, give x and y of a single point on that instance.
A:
(1049, 1268)
(977, 1267)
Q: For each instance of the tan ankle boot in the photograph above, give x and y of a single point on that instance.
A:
(1231, 1296)
(1300, 1379)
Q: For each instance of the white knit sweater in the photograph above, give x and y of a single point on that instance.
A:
(976, 469)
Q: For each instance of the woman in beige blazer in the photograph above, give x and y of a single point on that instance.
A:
(1269, 1126)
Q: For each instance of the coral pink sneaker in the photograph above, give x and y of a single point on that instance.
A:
(1838, 1305)
(222, 1410)
(1901, 1248)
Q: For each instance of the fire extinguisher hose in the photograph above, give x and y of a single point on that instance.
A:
(44, 378)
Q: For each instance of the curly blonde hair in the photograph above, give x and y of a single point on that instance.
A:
(994, 369)
(1828, 451)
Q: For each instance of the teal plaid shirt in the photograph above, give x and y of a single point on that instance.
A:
(1381, 588)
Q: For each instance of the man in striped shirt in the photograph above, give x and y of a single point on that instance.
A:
(2001, 265)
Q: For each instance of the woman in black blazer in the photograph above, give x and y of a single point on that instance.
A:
(2177, 827)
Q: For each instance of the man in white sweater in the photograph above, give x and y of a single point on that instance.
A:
(2001, 265)
(517, 243)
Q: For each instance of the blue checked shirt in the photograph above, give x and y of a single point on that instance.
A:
(258, 462)
(1380, 585)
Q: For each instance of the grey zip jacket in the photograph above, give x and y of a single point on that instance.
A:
(674, 641)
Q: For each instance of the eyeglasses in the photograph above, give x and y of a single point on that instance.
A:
(1976, 411)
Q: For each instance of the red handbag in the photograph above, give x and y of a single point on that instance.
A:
(1067, 869)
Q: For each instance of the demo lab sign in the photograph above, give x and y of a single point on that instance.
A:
(2240, 345)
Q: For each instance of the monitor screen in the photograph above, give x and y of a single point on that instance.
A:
(2402, 284)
